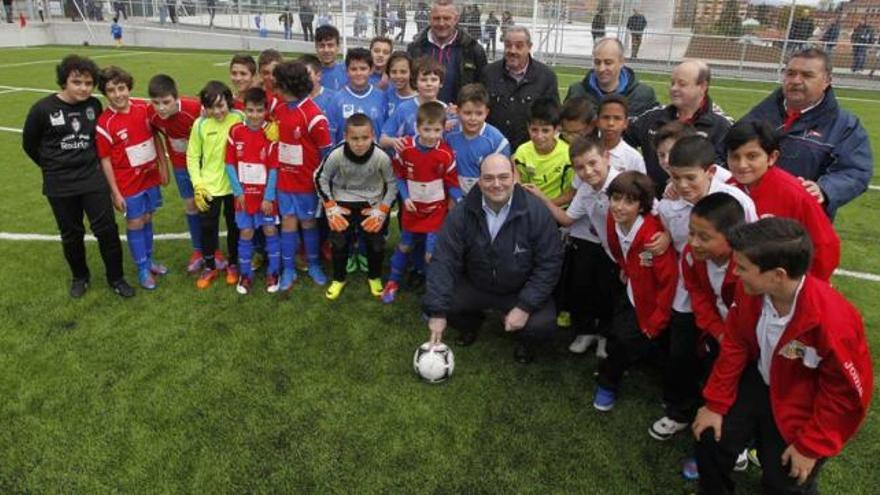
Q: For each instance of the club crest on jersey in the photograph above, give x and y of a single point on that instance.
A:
(347, 110)
(90, 113)
(297, 134)
(122, 134)
(56, 118)
(646, 258)
(75, 125)
(793, 350)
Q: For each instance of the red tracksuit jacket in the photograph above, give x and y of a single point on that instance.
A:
(696, 281)
(780, 194)
(821, 377)
(653, 278)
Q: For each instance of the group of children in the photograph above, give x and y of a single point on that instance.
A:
(320, 143)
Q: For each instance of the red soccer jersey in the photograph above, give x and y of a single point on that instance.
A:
(176, 129)
(303, 132)
(429, 174)
(253, 156)
(778, 193)
(126, 138)
(704, 299)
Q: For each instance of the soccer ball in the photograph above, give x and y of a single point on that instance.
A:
(433, 363)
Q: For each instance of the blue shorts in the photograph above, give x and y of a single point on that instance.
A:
(303, 206)
(184, 184)
(258, 219)
(143, 202)
(408, 238)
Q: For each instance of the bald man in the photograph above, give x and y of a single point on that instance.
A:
(690, 103)
(498, 249)
(610, 76)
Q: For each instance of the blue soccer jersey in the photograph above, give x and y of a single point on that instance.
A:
(326, 101)
(394, 100)
(335, 77)
(370, 103)
(469, 152)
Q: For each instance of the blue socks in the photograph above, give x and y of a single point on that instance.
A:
(195, 230)
(148, 240)
(273, 252)
(289, 246)
(138, 247)
(245, 254)
(398, 264)
(312, 241)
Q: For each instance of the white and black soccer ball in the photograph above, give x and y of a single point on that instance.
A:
(433, 363)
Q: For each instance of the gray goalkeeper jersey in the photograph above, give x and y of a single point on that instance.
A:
(346, 178)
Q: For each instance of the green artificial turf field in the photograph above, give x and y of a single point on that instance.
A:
(179, 391)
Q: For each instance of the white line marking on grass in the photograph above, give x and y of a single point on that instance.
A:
(218, 64)
(10, 129)
(874, 188)
(13, 90)
(35, 90)
(55, 60)
(180, 236)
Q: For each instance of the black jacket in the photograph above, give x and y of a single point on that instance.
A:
(640, 97)
(709, 121)
(524, 259)
(509, 101)
(470, 62)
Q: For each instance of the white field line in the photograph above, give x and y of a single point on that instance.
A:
(10, 129)
(10, 89)
(11, 236)
(55, 60)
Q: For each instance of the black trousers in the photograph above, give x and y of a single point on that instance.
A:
(589, 287)
(308, 33)
(750, 417)
(210, 222)
(682, 370)
(341, 243)
(469, 305)
(68, 211)
(627, 345)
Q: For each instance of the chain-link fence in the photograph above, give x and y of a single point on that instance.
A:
(739, 38)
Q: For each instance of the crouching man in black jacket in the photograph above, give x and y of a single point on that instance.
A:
(499, 249)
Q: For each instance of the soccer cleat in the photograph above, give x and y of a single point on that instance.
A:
(206, 278)
(362, 263)
(689, 469)
(332, 293)
(219, 260)
(244, 285)
(317, 274)
(665, 428)
(563, 320)
(743, 459)
(272, 283)
(389, 293)
(195, 262)
(580, 343)
(146, 280)
(375, 286)
(122, 289)
(158, 269)
(78, 287)
(604, 399)
(288, 277)
(601, 348)
(351, 265)
(231, 274)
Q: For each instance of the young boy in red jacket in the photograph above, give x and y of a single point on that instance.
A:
(752, 151)
(794, 371)
(650, 281)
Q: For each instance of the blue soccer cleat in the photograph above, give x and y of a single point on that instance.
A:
(288, 277)
(317, 274)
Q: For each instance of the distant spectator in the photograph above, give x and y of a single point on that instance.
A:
(7, 8)
(286, 21)
(598, 25)
(421, 17)
(636, 25)
(862, 38)
(401, 21)
(212, 11)
(40, 10)
(119, 10)
(506, 22)
(830, 36)
(306, 18)
(490, 34)
(800, 32)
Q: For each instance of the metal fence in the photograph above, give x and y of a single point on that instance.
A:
(739, 38)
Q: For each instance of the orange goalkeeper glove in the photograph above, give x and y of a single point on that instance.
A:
(336, 216)
(375, 218)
